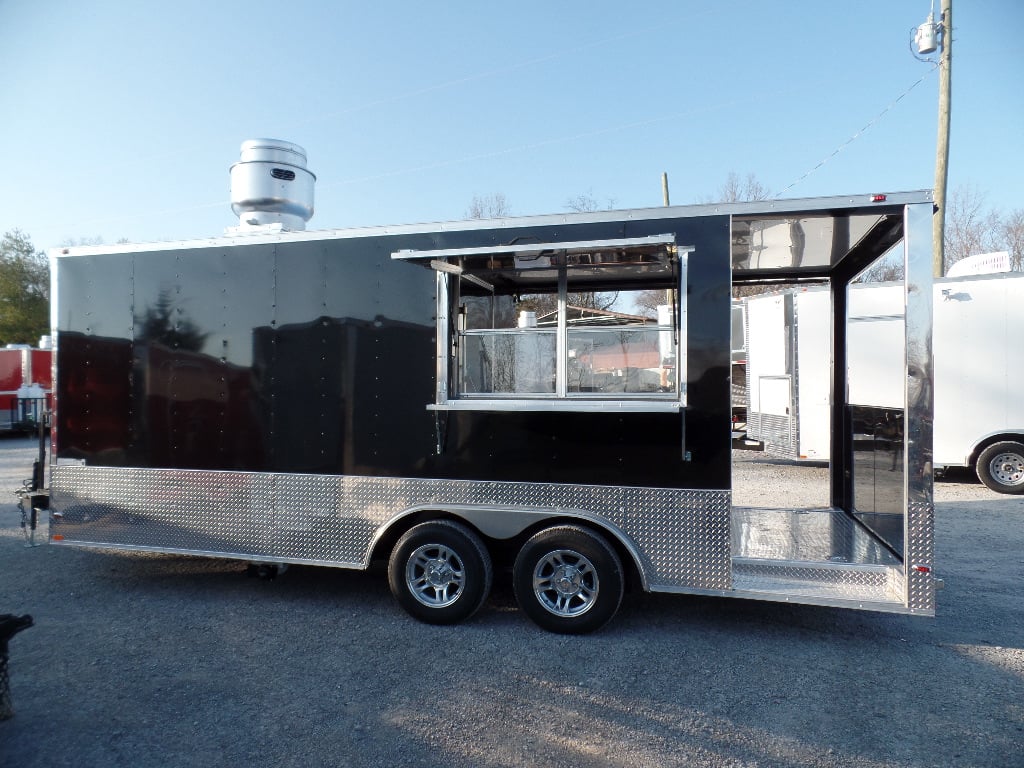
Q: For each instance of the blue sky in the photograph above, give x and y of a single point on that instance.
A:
(122, 118)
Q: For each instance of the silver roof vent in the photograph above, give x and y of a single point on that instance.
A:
(270, 186)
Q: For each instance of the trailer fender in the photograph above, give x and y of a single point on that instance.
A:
(980, 443)
(503, 523)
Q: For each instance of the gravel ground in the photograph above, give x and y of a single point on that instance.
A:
(159, 660)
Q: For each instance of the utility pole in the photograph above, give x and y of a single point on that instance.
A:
(942, 144)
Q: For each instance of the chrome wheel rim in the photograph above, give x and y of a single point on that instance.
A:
(1007, 468)
(565, 583)
(435, 575)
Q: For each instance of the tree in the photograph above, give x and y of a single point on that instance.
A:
(491, 206)
(583, 203)
(1011, 236)
(24, 290)
(546, 304)
(163, 323)
(649, 300)
(74, 242)
(736, 190)
(887, 269)
(973, 228)
(970, 228)
(586, 201)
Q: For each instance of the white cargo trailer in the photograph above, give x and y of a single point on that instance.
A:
(979, 422)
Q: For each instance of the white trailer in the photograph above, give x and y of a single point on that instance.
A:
(978, 320)
(789, 373)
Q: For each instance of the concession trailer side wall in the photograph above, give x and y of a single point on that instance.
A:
(447, 396)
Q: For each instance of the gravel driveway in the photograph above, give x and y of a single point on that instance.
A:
(160, 660)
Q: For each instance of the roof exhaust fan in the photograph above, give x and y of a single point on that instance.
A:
(271, 189)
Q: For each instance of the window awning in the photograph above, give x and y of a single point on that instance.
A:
(525, 266)
(628, 244)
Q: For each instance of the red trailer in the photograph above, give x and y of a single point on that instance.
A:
(26, 386)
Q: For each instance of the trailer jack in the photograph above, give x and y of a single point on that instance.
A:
(32, 496)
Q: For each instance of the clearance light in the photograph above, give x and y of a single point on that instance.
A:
(921, 568)
(878, 198)
(57, 537)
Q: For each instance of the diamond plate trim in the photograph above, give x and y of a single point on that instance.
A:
(823, 581)
(681, 536)
(920, 545)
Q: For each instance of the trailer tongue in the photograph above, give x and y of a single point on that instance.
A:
(455, 397)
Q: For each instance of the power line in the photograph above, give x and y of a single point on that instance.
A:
(861, 132)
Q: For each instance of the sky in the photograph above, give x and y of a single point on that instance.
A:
(122, 118)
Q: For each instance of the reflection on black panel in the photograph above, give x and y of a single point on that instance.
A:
(95, 418)
(196, 412)
(346, 396)
(878, 469)
(321, 356)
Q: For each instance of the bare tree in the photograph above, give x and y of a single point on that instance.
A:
(741, 190)
(737, 190)
(887, 269)
(73, 242)
(1011, 238)
(546, 304)
(586, 201)
(491, 206)
(649, 300)
(971, 228)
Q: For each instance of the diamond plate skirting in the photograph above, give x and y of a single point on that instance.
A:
(679, 537)
(826, 583)
(920, 541)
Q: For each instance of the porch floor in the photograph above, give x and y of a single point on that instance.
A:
(812, 554)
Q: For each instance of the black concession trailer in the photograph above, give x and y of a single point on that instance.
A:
(548, 393)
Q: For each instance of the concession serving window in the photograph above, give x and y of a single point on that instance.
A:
(572, 326)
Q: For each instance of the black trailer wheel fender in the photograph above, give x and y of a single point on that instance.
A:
(440, 572)
(569, 580)
(1001, 467)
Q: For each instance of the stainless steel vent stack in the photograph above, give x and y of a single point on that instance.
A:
(270, 185)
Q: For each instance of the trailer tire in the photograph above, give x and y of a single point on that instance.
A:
(568, 580)
(1001, 467)
(440, 572)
